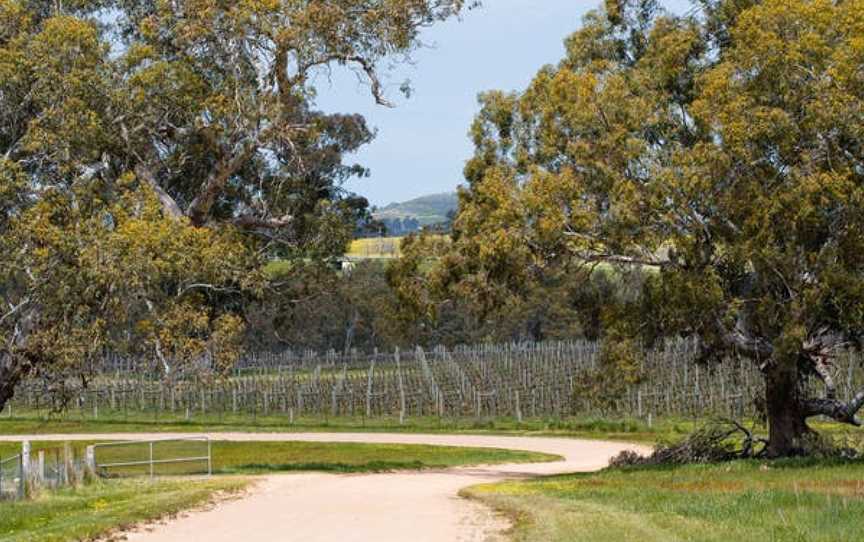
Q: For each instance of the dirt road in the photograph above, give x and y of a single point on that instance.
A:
(393, 507)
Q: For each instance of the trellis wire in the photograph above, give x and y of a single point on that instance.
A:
(518, 380)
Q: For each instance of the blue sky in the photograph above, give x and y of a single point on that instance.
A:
(422, 143)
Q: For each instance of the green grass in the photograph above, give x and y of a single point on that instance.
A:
(233, 457)
(262, 457)
(95, 509)
(33, 423)
(804, 500)
(625, 430)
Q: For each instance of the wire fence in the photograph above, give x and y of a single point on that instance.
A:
(56, 467)
(30, 471)
(543, 380)
(163, 457)
(11, 478)
(25, 474)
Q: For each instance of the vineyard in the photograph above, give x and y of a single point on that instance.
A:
(518, 381)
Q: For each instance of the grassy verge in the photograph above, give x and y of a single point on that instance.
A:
(802, 500)
(234, 457)
(629, 430)
(262, 457)
(92, 510)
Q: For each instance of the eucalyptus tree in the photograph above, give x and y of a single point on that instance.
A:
(724, 150)
(153, 153)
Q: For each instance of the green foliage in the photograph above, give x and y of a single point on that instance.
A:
(319, 308)
(154, 154)
(722, 149)
(620, 369)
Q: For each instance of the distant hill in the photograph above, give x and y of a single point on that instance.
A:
(414, 214)
(427, 210)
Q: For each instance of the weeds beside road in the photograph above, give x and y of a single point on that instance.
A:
(87, 511)
(781, 501)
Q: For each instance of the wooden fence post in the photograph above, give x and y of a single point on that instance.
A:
(68, 475)
(369, 389)
(90, 462)
(401, 387)
(40, 468)
(518, 408)
(26, 488)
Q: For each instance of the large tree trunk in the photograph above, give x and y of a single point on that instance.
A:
(787, 418)
(9, 379)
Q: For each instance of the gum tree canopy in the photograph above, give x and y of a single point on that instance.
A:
(153, 152)
(725, 150)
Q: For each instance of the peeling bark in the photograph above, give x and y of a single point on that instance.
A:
(169, 206)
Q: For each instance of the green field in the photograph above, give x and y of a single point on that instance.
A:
(234, 457)
(376, 248)
(794, 501)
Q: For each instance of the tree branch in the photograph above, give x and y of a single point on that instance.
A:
(199, 209)
(821, 369)
(744, 342)
(169, 206)
(14, 309)
(818, 350)
(377, 89)
(619, 259)
(252, 222)
(157, 342)
(835, 409)
(202, 286)
(287, 83)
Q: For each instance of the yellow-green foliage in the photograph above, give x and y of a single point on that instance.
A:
(98, 266)
(733, 136)
(143, 182)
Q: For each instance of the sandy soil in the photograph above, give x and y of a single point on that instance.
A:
(393, 507)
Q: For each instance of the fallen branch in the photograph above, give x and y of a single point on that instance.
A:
(712, 443)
